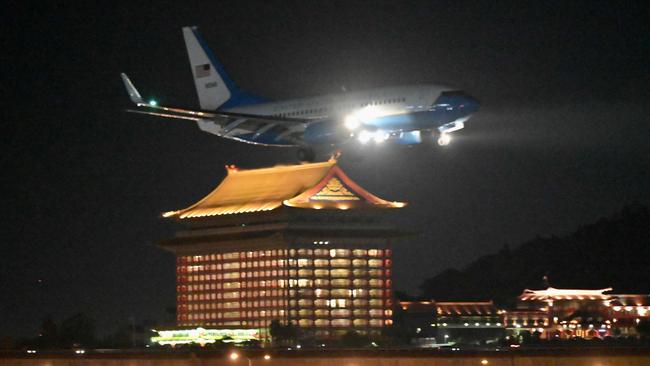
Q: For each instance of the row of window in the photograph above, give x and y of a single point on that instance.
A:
(268, 302)
(319, 314)
(341, 322)
(302, 112)
(384, 101)
(322, 274)
(303, 295)
(333, 253)
(254, 324)
(304, 313)
(232, 255)
(336, 282)
(282, 254)
(300, 263)
(322, 110)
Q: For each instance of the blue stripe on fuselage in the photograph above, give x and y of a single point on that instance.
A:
(448, 108)
(416, 120)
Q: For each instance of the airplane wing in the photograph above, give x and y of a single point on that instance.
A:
(237, 126)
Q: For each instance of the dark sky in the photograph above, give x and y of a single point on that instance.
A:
(561, 139)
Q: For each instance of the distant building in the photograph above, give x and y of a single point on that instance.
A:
(448, 322)
(547, 314)
(302, 244)
(567, 313)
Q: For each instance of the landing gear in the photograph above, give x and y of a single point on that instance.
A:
(306, 154)
(432, 137)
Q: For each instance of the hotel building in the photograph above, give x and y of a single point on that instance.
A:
(302, 244)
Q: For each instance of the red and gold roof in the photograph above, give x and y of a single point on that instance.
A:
(565, 294)
(315, 186)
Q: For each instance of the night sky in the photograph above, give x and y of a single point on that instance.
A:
(561, 138)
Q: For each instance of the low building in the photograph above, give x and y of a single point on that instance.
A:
(435, 323)
(546, 314)
(568, 313)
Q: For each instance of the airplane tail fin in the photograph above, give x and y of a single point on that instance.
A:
(213, 85)
(130, 88)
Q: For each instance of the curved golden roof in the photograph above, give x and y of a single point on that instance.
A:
(315, 185)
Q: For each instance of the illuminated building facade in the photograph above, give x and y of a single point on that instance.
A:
(568, 313)
(550, 314)
(434, 322)
(301, 244)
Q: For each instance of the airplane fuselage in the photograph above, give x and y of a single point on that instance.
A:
(387, 111)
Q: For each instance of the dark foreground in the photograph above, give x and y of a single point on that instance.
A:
(518, 357)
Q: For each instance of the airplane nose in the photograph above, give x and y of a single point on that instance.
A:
(457, 100)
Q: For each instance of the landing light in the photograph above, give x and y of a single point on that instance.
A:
(351, 122)
(365, 136)
(377, 136)
(380, 137)
(444, 139)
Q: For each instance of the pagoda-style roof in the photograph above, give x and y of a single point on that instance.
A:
(565, 294)
(455, 308)
(473, 308)
(312, 186)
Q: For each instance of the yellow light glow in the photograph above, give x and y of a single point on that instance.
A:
(234, 355)
(267, 357)
(484, 362)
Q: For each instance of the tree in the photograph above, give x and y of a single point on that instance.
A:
(78, 329)
(643, 328)
(283, 333)
(6, 343)
(49, 334)
(354, 340)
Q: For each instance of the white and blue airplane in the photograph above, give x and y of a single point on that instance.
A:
(400, 115)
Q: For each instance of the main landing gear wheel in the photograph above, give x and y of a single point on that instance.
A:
(306, 154)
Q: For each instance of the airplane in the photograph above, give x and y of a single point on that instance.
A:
(401, 115)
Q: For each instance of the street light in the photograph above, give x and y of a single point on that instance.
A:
(234, 356)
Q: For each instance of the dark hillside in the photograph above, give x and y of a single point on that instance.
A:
(613, 252)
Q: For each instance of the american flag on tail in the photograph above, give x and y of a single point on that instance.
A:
(202, 71)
